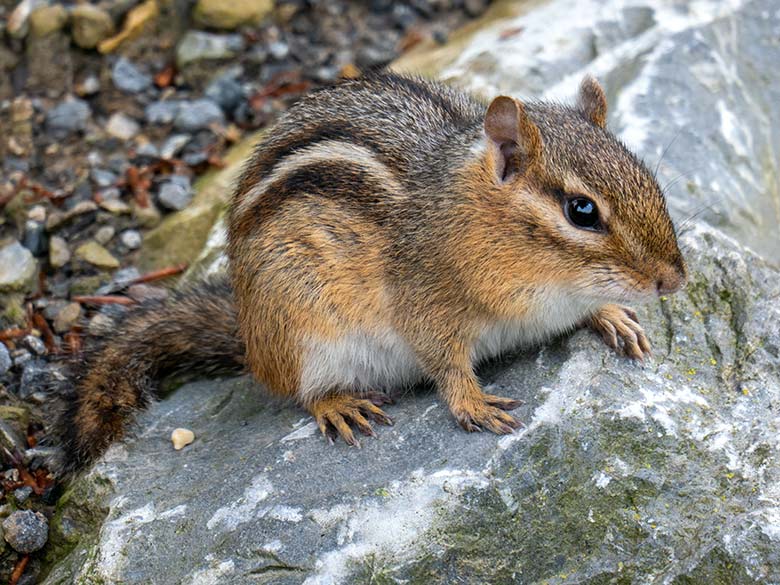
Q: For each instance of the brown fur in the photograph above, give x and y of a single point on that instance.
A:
(368, 209)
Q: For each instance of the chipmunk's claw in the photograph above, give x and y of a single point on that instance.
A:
(620, 329)
(337, 414)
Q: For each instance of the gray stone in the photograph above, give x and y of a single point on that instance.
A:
(173, 145)
(67, 117)
(128, 78)
(198, 46)
(10, 438)
(226, 91)
(176, 193)
(197, 115)
(17, 268)
(122, 126)
(5, 359)
(162, 112)
(26, 531)
(34, 237)
(131, 239)
(67, 317)
(59, 253)
(100, 325)
(34, 344)
(35, 378)
(624, 473)
(104, 235)
(22, 494)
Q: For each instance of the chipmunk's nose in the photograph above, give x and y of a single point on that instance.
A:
(671, 278)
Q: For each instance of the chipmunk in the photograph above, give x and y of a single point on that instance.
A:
(391, 230)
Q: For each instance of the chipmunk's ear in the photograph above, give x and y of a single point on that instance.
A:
(514, 140)
(592, 101)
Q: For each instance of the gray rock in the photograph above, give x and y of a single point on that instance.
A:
(131, 239)
(122, 126)
(100, 325)
(26, 531)
(104, 235)
(103, 178)
(663, 472)
(68, 117)
(176, 193)
(17, 268)
(34, 237)
(10, 438)
(198, 46)
(34, 344)
(226, 91)
(162, 112)
(5, 359)
(197, 115)
(128, 78)
(67, 317)
(59, 253)
(22, 494)
(173, 145)
(36, 376)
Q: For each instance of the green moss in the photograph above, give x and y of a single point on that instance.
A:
(79, 514)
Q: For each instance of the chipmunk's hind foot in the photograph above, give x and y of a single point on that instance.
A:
(620, 329)
(487, 412)
(336, 414)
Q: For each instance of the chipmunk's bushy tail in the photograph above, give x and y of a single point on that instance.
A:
(193, 331)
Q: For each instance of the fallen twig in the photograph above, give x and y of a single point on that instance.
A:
(103, 300)
(21, 565)
(158, 274)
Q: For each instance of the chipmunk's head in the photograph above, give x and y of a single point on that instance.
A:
(595, 210)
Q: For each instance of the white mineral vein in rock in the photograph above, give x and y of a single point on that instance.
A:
(243, 510)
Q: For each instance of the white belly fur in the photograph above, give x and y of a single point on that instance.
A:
(383, 361)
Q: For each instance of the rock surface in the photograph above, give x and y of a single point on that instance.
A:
(663, 473)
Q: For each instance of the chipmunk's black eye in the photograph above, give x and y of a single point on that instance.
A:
(583, 213)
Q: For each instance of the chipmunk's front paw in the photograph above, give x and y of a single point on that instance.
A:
(336, 413)
(486, 412)
(620, 329)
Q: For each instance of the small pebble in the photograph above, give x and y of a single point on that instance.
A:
(176, 193)
(162, 112)
(34, 344)
(22, 494)
(197, 115)
(67, 317)
(100, 324)
(26, 531)
(128, 78)
(90, 85)
(68, 116)
(122, 126)
(59, 253)
(21, 357)
(181, 438)
(35, 378)
(103, 178)
(115, 206)
(5, 359)
(173, 145)
(131, 239)
(104, 234)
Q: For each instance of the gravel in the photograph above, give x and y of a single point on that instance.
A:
(198, 114)
(26, 531)
(68, 117)
(176, 193)
(129, 78)
(5, 359)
